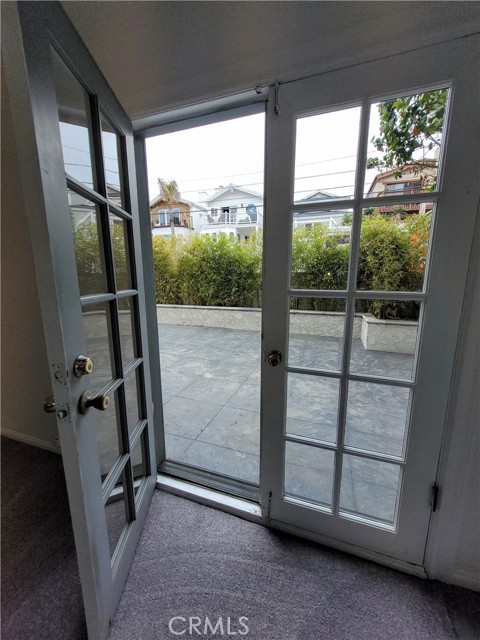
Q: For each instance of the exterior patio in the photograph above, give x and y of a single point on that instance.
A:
(211, 393)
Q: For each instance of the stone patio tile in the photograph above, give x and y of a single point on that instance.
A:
(186, 417)
(236, 464)
(309, 483)
(373, 442)
(315, 352)
(234, 429)
(212, 389)
(176, 447)
(325, 430)
(375, 500)
(247, 397)
(380, 363)
(365, 471)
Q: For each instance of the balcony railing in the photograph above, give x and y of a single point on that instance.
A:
(399, 192)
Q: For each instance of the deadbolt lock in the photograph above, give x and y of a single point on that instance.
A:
(89, 399)
(274, 358)
(83, 366)
(49, 404)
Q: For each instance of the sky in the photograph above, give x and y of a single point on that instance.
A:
(204, 158)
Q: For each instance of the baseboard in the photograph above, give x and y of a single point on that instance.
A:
(31, 440)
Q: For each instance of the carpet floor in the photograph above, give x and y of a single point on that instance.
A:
(226, 574)
(41, 597)
(196, 562)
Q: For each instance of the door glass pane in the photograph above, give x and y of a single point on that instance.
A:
(312, 407)
(369, 488)
(126, 319)
(111, 160)
(75, 126)
(96, 320)
(394, 247)
(132, 399)
(87, 237)
(309, 473)
(321, 251)
(405, 136)
(106, 427)
(116, 514)
(326, 155)
(118, 231)
(316, 333)
(385, 338)
(377, 417)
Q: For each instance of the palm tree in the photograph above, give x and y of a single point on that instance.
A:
(170, 194)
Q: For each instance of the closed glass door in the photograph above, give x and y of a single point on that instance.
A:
(363, 200)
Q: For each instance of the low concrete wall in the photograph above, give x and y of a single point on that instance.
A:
(305, 322)
(394, 336)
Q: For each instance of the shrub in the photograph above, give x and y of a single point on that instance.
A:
(165, 258)
(219, 273)
(319, 261)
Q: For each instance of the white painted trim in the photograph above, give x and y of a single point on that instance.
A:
(252, 512)
(31, 440)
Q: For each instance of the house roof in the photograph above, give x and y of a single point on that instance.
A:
(232, 187)
(159, 198)
(318, 195)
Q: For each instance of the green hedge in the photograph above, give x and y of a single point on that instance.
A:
(198, 270)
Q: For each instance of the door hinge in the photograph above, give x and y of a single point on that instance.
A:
(268, 506)
(435, 492)
(276, 108)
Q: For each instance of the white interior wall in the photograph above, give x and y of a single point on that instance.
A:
(180, 52)
(453, 553)
(25, 371)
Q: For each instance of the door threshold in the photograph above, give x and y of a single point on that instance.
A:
(252, 511)
(210, 497)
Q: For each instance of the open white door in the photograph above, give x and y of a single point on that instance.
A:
(353, 412)
(77, 155)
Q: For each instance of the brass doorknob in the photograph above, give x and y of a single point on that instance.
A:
(274, 358)
(89, 399)
(82, 366)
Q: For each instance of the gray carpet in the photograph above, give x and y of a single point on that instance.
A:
(41, 598)
(197, 561)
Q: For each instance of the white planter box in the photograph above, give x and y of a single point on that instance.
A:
(394, 336)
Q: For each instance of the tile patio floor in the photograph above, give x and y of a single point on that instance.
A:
(211, 392)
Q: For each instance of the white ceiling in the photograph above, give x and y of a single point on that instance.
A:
(161, 54)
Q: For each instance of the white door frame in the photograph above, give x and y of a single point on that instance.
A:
(33, 29)
(361, 84)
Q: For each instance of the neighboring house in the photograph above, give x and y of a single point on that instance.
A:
(233, 210)
(412, 181)
(332, 217)
(83, 211)
(162, 214)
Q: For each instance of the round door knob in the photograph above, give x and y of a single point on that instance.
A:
(274, 358)
(83, 366)
(88, 399)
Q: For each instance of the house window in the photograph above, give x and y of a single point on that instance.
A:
(164, 217)
(403, 186)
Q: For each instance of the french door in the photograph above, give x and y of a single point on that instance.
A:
(357, 359)
(76, 152)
